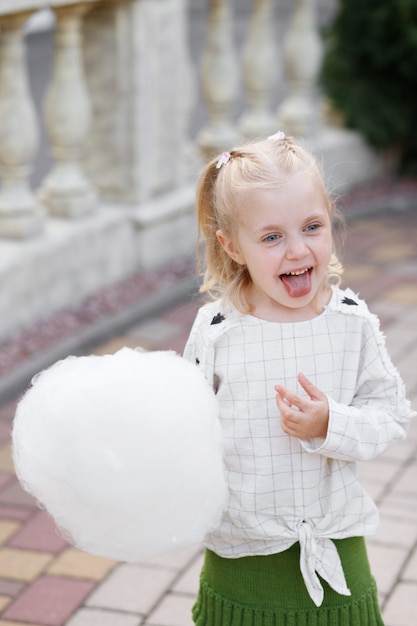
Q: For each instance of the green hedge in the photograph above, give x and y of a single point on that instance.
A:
(369, 73)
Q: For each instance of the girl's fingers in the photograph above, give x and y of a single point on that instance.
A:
(303, 417)
(284, 406)
(282, 394)
(309, 388)
(290, 398)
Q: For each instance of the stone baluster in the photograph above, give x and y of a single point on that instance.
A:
(262, 70)
(189, 156)
(66, 190)
(299, 113)
(20, 216)
(220, 80)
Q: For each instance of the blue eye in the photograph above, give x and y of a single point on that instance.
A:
(271, 238)
(313, 227)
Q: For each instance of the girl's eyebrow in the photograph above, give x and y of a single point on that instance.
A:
(310, 218)
(270, 227)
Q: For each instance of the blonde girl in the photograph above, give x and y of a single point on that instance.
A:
(306, 389)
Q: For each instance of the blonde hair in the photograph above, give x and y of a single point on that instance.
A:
(259, 165)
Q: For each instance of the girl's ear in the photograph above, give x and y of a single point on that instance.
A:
(229, 247)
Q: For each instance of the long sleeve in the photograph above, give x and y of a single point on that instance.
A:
(379, 413)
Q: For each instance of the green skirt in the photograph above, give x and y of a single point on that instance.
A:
(270, 591)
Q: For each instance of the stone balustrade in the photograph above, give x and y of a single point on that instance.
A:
(118, 115)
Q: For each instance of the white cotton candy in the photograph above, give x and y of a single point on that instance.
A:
(124, 451)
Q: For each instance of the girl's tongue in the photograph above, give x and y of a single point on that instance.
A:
(297, 285)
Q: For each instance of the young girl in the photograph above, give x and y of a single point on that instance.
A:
(306, 389)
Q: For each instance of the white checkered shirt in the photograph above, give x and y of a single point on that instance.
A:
(281, 489)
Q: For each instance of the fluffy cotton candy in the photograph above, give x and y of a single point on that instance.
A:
(124, 451)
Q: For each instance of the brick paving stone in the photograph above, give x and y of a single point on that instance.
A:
(400, 609)
(376, 489)
(132, 588)
(154, 332)
(22, 565)
(184, 314)
(399, 505)
(406, 269)
(372, 289)
(8, 528)
(401, 452)
(398, 341)
(7, 411)
(380, 470)
(13, 623)
(15, 495)
(405, 294)
(98, 617)
(5, 479)
(6, 461)
(76, 564)
(174, 610)
(386, 564)
(358, 272)
(40, 533)
(388, 312)
(10, 588)
(50, 601)
(4, 602)
(176, 560)
(410, 571)
(412, 434)
(406, 366)
(188, 582)
(409, 315)
(5, 431)
(407, 483)
(395, 532)
(15, 512)
(393, 252)
(176, 344)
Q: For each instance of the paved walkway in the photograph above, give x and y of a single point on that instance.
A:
(45, 582)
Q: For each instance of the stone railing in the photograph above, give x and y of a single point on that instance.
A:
(118, 115)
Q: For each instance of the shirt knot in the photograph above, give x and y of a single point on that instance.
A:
(319, 554)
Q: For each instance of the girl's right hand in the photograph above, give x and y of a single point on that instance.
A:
(301, 417)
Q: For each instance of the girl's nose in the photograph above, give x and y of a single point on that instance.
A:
(296, 248)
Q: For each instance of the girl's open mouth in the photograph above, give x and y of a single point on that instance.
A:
(297, 283)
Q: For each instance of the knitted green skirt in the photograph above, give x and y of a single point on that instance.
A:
(270, 591)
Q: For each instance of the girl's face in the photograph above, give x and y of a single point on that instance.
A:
(284, 238)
